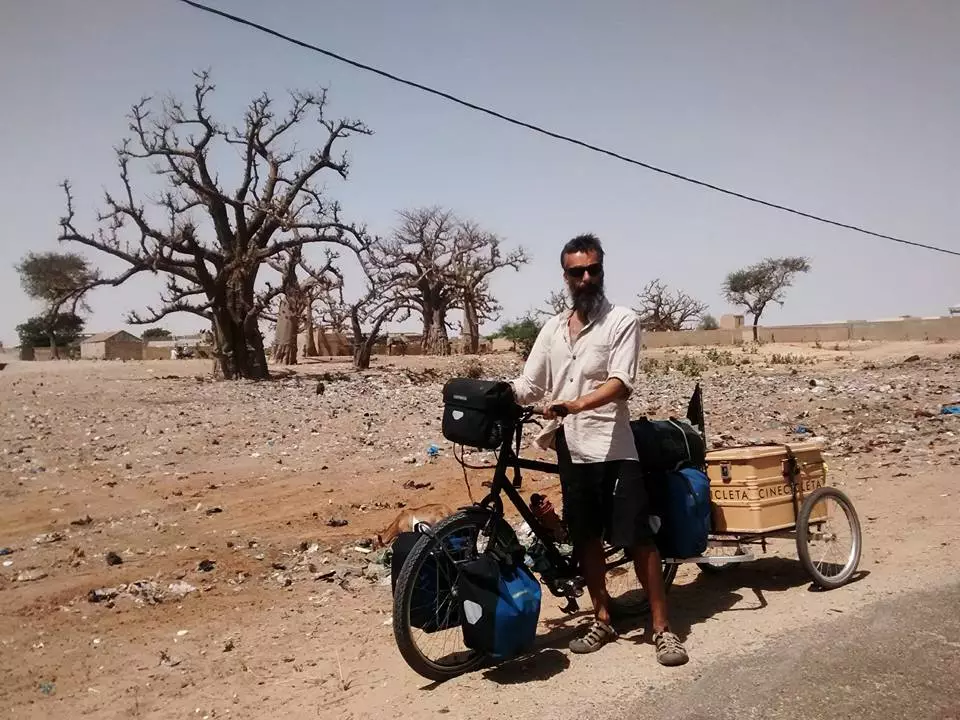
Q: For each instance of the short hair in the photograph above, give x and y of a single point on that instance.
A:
(582, 243)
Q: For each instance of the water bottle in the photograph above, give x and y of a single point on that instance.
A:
(547, 517)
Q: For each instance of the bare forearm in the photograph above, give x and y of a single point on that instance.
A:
(613, 389)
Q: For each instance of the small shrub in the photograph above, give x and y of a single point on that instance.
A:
(720, 357)
(691, 366)
(472, 368)
(789, 359)
(651, 366)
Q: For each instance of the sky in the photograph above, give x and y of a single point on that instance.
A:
(847, 110)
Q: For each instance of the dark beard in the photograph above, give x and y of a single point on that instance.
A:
(587, 300)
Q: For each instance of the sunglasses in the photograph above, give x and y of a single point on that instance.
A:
(578, 271)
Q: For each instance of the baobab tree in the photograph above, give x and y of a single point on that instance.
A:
(294, 311)
(478, 255)
(209, 242)
(444, 264)
(663, 309)
(383, 299)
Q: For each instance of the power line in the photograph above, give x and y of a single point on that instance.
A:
(555, 135)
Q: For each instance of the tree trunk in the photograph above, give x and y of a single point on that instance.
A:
(311, 347)
(288, 329)
(756, 319)
(472, 323)
(427, 316)
(239, 355)
(362, 344)
(54, 350)
(436, 341)
(238, 343)
(361, 354)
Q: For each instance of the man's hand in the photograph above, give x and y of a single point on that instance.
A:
(611, 390)
(572, 407)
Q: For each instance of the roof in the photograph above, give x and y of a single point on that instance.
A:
(110, 335)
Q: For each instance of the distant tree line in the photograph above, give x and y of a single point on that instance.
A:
(239, 255)
(661, 309)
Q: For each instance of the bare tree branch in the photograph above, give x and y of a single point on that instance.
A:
(759, 285)
(556, 303)
(661, 309)
(277, 208)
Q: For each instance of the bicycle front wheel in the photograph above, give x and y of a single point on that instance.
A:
(426, 613)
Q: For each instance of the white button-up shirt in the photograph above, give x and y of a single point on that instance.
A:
(607, 347)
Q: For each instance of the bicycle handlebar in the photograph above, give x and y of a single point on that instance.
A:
(559, 410)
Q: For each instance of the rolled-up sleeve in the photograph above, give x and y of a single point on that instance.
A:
(625, 352)
(535, 380)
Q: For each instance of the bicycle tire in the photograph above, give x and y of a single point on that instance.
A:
(803, 530)
(473, 517)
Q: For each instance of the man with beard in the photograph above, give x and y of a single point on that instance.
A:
(584, 362)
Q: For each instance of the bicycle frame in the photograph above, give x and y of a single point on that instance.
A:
(564, 579)
(508, 458)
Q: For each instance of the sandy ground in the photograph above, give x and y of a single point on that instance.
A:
(168, 470)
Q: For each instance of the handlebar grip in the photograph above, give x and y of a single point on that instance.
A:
(560, 410)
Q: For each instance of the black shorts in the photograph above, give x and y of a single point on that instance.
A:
(605, 500)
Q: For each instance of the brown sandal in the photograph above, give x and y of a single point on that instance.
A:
(670, 650)
(597, 636)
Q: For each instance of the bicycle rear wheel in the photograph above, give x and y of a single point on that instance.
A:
(426, 623)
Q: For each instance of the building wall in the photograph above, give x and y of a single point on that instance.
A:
(691, 338)
(157, 352)
(119, 350)
(111, 350)
(93, 351)
(940, 329)
(328, 344)
(827, 333)
(731, 322)
(930, 329)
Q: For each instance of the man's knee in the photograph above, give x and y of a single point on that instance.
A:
(645, 551)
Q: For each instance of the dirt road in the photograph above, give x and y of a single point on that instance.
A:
(894, 659)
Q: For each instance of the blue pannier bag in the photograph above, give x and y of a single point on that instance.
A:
(685, 513)
(499, 606)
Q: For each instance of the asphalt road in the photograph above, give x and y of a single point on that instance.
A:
(900, 658)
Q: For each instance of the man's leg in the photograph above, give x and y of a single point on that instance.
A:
(630, 528)
(583, 511)
(594, 564)
(647, 563)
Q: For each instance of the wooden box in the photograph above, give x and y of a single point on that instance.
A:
(750, 490)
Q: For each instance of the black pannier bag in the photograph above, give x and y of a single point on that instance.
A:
(434, 605)
(667, 445)
(477, 413)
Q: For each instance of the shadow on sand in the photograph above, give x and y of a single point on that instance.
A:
(708, 595)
